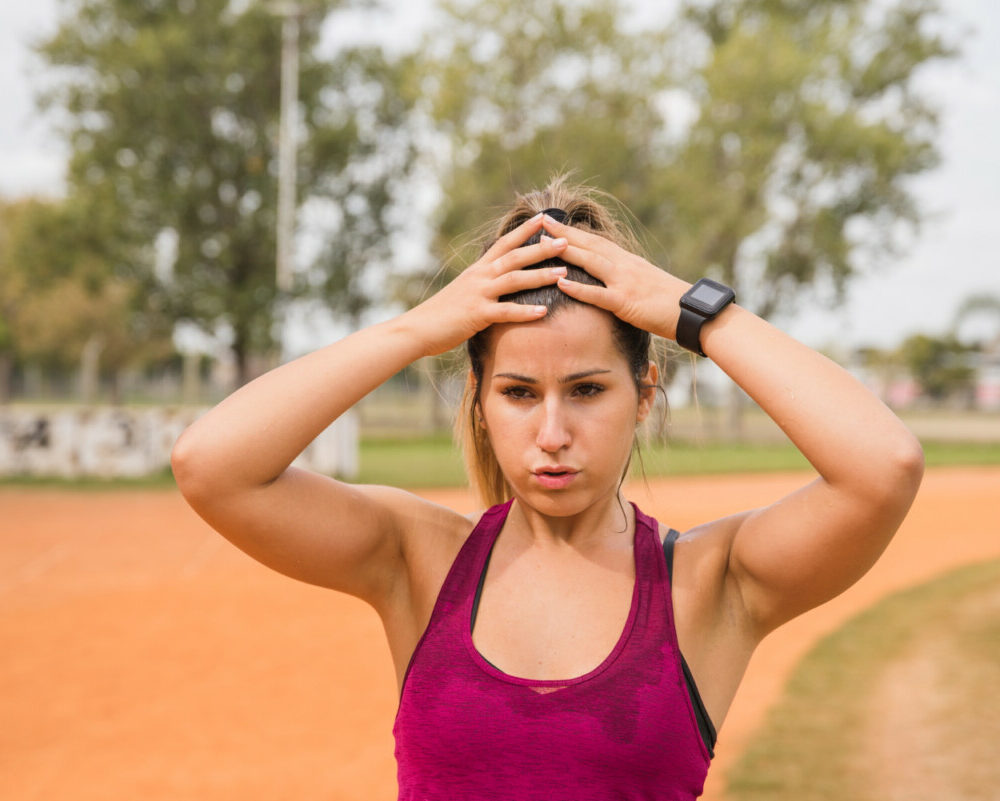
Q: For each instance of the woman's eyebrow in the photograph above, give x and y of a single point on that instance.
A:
(584, 374)
(565, 380)
(516, 377)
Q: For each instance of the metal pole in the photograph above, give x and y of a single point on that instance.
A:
(287, 143)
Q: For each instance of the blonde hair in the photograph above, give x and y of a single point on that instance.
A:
(584, 207)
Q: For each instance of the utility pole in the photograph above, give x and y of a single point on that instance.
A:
(290, 12)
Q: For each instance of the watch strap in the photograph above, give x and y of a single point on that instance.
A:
(689, 330)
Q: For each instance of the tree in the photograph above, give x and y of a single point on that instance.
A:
(171, 113)
(940, 365)
(795, 171)
(17, 280)
(982, 311)
(768, 143)
(522, 90)
(60, 305)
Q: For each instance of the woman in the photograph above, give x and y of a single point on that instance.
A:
(558, 645)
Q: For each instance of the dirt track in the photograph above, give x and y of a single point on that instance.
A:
(144, 657)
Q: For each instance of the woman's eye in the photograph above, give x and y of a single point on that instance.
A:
(588, 390)
(516, 393)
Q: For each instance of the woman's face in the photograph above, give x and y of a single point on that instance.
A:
(560, 406)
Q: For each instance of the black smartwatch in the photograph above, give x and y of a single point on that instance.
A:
(701, 303)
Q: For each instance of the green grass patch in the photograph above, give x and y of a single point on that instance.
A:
(433, 461)
(813, 747)
(157, 481)
(685, 459)
(957, 454)
(436, 462)
(419, 462)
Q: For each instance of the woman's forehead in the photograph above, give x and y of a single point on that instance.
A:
(576, 338)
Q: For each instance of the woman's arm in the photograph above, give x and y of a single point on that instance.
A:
(811, 545)
(233, 464)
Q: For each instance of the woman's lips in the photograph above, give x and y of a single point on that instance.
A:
(555, 477)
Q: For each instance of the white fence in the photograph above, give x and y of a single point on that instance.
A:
(113, 442)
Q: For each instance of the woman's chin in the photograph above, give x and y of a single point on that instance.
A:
(560, 503)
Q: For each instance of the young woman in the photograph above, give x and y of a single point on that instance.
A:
(558, 645)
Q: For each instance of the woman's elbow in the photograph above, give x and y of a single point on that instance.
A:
(906, 467)
(184, 462)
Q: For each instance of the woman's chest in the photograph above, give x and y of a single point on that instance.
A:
(553, 619)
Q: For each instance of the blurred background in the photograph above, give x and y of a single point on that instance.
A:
(191, 192)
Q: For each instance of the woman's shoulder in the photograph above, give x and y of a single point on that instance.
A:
(703, 551)
(431, 534)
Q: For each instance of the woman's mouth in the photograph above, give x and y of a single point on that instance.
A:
(555, 477)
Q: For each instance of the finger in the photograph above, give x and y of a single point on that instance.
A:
(515, 238)
(599, 296)
(579, 237)
(518, 313)
(531, 254)
(591, 262)
(527, 279)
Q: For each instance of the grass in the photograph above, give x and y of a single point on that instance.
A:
(817, 743)
(420, 462)
(164, 479)
(433, 461)
(950, 454)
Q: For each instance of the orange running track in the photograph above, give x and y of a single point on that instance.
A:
(142, 656)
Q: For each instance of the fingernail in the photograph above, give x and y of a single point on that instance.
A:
(536, 217)
(558, 243)
(559, 271)
(545, 237)
(540, 309)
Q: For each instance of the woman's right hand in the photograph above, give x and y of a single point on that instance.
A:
(471, 302)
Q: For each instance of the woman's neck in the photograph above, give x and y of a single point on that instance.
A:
(596, 524)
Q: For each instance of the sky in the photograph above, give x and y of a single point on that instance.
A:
(957, 253)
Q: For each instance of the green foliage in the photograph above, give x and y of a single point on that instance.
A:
(58, 295)
(980, 308)
(939, 365)
(791, 171)
(808, 128)
(171, 112)
(523, 90)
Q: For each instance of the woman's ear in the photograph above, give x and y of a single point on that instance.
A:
(647, 391)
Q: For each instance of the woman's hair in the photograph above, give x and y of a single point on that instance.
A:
(583, 208)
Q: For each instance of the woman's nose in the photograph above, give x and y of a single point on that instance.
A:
(553, 431)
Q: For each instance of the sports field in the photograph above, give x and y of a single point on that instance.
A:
(145, 657)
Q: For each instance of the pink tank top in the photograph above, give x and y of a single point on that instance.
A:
(467, 731)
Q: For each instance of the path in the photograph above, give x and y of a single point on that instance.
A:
(145, 657)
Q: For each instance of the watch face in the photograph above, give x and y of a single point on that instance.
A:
(707, 297)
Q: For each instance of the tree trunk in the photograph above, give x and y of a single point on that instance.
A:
(90, 361)
(242, 360)
(6, 373)
(117, 379)
(191, 378)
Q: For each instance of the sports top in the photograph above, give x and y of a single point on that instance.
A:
(627, 729)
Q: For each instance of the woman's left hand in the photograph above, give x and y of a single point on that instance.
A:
(636, 291)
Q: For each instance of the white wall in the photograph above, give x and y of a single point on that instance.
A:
(113, 442)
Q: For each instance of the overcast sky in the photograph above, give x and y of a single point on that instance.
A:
(955, 256)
